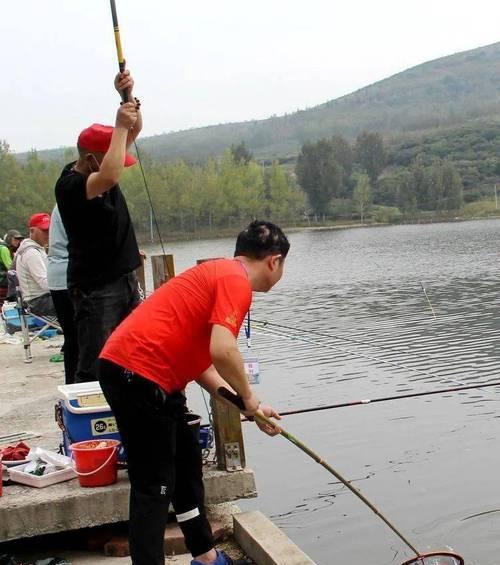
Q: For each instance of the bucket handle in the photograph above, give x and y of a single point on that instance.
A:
(80, 474)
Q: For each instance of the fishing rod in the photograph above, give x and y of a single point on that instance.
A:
(124, 95)
(421, 558)
(382, 399)
(292, 337)
(266, 323)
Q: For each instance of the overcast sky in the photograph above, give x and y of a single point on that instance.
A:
(199, 62)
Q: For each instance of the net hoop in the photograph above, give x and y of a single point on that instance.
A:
(446, 555)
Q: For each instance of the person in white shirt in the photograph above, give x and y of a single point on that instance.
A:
(31, 266)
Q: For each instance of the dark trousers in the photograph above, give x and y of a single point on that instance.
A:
(164, 464)
(97, 313)
(66, 316)
(42, 305)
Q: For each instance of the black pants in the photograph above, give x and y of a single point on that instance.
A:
(97, 313)
(164, 464)
(42, 305)
(66, 316)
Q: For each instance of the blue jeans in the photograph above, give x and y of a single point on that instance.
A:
(97, 313)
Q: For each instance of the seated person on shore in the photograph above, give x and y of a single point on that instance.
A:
(9, 245)
(31, 267)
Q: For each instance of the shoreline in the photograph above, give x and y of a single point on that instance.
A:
(144, 238)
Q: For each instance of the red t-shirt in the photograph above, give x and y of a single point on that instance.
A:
(167, 338)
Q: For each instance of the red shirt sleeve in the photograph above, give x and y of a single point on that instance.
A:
(233, 296)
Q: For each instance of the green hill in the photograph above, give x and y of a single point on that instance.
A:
(439, 94)
(474, 149)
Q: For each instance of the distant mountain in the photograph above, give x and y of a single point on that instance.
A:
(444, 92)
(447, 92)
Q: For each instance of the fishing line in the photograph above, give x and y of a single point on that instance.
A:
(339, 337)
(276, 333)
(121, 66)
(317, 343)
(149, 197)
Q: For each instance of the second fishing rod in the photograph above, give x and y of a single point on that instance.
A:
(298, 335)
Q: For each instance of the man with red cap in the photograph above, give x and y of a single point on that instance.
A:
(102, 247)
(31, 266)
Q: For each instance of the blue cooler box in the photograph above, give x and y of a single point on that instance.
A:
(83, 414)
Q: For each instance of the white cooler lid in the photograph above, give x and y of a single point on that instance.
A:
(88, 395)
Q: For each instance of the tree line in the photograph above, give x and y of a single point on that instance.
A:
(222, 193)
(332, 179)
(340, 178)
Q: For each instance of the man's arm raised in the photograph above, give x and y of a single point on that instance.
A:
(125, 83)
(112, 164)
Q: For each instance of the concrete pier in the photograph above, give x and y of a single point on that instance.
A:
(28, 393)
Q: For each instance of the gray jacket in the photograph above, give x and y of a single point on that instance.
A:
(31, 268)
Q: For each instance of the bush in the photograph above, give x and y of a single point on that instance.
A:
(386, 214)
(481, 208)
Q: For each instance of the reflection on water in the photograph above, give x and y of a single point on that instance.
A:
(357, 325)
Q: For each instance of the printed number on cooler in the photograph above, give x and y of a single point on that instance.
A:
(102, 426)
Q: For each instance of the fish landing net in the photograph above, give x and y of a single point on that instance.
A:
(436, 558)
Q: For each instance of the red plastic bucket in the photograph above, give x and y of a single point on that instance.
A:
(96, 461)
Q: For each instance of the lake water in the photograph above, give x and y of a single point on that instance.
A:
(357, 325)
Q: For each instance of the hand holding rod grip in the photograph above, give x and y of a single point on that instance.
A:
(234, 398)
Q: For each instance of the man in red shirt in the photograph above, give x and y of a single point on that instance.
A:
(186, 331)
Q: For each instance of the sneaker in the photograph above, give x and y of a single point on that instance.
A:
(224, 559)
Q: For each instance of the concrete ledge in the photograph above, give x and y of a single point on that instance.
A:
(26, 512)
(265, 543)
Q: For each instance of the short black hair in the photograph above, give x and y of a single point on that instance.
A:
(261, 239)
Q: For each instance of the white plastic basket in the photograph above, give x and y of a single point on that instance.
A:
(17, 475)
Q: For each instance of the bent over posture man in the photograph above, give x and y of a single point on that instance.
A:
(102, 247)
(186, 331)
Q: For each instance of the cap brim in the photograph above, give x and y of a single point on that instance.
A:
(129, 160)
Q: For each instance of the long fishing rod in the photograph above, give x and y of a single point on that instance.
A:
(382, 399)
(341, 348)
(275, 333)
(385, 348)
(420, 557)
(124, 95)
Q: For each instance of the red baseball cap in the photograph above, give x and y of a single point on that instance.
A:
(40, 220)
(98, 138)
